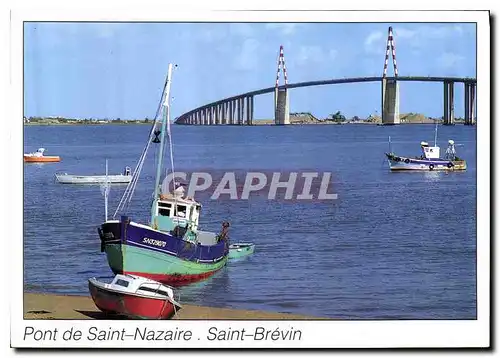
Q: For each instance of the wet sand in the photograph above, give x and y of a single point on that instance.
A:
(47, 306)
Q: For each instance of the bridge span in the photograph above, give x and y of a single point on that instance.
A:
(239, 109)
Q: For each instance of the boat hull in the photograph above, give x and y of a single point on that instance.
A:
(43, 159)
(92, 179)
(136, 249)
(130, 305)
(238, 250)
(398, 163)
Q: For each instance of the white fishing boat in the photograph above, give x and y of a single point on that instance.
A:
(429, 160)
(124, 178)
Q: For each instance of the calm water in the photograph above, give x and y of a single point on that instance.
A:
(394, 245)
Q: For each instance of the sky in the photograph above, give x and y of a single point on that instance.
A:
(117, 70)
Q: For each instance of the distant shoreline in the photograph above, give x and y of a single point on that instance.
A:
(86, 124)
(255, 123)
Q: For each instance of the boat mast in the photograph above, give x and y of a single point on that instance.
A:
(105, 189)
(436, 135)
(106, 194)
(166, 109)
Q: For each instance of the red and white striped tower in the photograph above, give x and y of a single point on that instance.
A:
(390, 46)
(281, 65)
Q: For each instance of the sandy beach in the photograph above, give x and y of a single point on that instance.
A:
(48, 306)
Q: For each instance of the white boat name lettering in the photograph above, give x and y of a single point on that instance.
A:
(154, 242)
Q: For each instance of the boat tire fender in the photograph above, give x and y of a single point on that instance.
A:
(431, 166)
(398, 159)
(407, 160)
(450, 165)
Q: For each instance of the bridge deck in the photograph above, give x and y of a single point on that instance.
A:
(330, 82)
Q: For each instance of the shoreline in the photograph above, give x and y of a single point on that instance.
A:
(255, 123)
(52, 306)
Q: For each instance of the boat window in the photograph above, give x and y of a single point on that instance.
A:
(181, 211)
(164, 212)
(148, 289)
(123, 283)
(164, 209)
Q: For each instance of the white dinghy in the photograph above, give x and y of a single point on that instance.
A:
(124, 178)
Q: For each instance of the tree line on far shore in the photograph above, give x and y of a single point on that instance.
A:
(339, 117)
(63, 120)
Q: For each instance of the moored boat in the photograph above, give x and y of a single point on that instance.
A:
(39, 157)
(135, 297)
(429, 160)
(241, 249)
(170, 248)
(65, 178)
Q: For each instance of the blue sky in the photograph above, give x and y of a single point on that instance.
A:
(111, 70)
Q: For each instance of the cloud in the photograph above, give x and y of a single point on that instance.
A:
(241, 29)
(248, 57)
(403, 33)
(314, 55)
(210, 34)
(332, 54)
(105, 30)
(440, 32)
(374, 42)
(284, 28)
(415, 37)
(421, 35)
(450, 60)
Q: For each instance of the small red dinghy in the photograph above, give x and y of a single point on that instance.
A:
(134, 296)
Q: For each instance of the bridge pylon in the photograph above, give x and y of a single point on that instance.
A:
(390, 87)
(281, 98)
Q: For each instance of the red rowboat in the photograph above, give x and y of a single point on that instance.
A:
(134, 296)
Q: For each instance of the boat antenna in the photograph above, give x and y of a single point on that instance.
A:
(164, 124)
(390, 146)
(436, 135)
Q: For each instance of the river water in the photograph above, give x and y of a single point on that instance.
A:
(392, 246)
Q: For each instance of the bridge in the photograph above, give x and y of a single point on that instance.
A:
(239, 109)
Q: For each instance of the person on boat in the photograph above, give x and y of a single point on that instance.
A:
(179, 190)
(224, 232)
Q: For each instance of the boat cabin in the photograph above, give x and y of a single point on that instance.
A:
(175, 212)
(429, 152)
(38, 153)
(140, 285)
(127, 171)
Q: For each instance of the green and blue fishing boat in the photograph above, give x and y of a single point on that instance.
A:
(170, 248)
